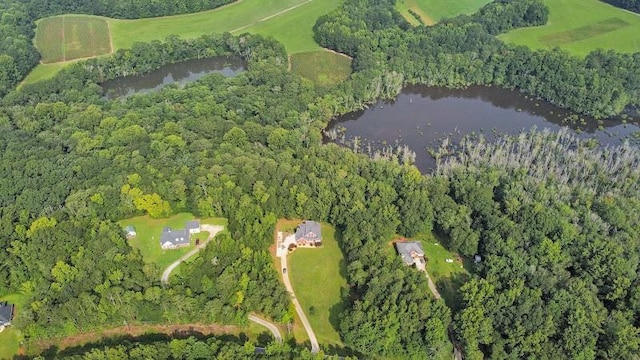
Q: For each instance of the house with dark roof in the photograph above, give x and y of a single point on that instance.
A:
(6, 314)
(308, 234)
(411, 252)
(173, 239)
(193, 227)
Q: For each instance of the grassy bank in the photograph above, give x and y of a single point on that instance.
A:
(431, 11)
(322, 67)
(580, 26)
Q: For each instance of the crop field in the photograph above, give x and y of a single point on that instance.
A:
(322, 67)
(431, 11)
(63, 38)
(580, 26)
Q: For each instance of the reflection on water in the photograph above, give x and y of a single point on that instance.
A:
(421, 117)
(179, 73)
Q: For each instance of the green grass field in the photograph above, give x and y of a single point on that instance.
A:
(69, 37)
(432, 11)
(148, 239)
(10, 338)
(289, 21)
(318, 278)
(580, 26)
(322, 67)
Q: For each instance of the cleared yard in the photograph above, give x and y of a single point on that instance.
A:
(580, 26)
(432, 11)
(318, 279)
(322, 67)
(70, 37)
(11, 337)
(148, 236)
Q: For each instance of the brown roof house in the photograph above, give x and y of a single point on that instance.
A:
(6, 314)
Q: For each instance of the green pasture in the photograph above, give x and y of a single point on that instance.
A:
(432, 11)
(289, 21)
(11, 337)
(322, 67)
(148, 237)
(318, 279)
(580, 26)
(69, 37)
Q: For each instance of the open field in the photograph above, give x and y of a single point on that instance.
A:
(10, 338)
(148, 239)
(318, 279)
(432, 11)
(289, 21)
(580, 26)
(69, 37)
(322, 67)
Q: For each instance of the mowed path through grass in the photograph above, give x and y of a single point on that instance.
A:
(318, 279)
(70, 37)
(581, 26)
(432, 11)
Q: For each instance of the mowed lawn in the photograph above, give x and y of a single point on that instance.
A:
(318, 279)
(148, 237)
(580, 26)
(432, 11)
(322, 67)
(11, 337)
(69, 37)
(289, 21)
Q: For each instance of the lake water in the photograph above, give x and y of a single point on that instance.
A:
(179, 73)
(421, 117)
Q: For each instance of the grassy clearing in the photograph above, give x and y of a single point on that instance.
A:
(70, 37)
(432, 11)
(318, 278)
(580, 26)
(148, 239)
(43, 72)
(324, 68)
(11, 337)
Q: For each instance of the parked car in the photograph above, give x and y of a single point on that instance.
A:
(284, 270)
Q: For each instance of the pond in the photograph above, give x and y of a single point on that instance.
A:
(421, 117)
(179, 73)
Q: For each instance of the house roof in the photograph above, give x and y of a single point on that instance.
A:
(6, 313)
(130, 228)
(176, 237)
(409, 250)
(310, 231)
(194, 224)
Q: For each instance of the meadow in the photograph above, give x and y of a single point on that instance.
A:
(431, 11)
(580, 26)
(148, 232)
(318, 277)
(323, 68)
(70, 37)
(289, 21)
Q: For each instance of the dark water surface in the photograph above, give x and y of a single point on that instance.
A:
(421, 117)
(179, 73)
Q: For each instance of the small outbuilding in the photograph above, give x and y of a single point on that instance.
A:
(193, 227)
(411, 252)
(130, 232)
(6, 314)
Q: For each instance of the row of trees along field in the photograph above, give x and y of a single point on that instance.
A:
(632, 5)
(463, 51)
(560, 271)
(18, 54)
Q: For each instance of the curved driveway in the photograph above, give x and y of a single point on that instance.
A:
(315, 347)
(213, 230)
(272, 327)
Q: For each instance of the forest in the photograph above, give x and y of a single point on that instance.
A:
(554, 219)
